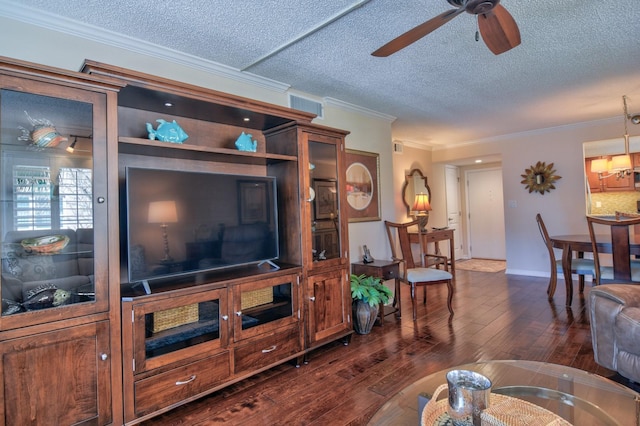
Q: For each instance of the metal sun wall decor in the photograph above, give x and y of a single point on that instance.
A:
(540, 178)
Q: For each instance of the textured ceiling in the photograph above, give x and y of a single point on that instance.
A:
(576, 60)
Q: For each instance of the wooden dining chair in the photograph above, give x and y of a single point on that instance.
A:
(624, 268)
(579, 266)
(422, 274)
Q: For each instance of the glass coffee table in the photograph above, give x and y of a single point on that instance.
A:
(579, 397)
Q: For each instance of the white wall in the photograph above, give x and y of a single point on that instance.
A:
(563, 209)
(372, 135)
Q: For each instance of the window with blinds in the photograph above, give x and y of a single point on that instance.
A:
(32, 197)
(35, 195)
(75, 195)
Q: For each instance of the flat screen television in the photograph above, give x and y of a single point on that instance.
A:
(184, 222)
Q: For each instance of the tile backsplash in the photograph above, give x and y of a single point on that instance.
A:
(610, 202)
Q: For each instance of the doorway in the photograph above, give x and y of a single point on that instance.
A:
(485, 214)
(452, 188)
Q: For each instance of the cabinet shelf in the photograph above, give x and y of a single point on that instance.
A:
(142, 146)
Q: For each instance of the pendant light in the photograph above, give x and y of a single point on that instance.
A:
(620, 165)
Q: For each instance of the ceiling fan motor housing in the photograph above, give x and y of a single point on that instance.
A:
(475, 7)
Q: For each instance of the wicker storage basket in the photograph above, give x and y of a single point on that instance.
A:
(164, 320)
(503, 411)
(258, 297)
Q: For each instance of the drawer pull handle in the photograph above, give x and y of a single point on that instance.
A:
(270, 349)
(312, 298)
(184, 382)
(225, 317)
(239, 313)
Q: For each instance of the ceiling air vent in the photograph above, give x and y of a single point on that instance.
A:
(307, 105)
(398, 147)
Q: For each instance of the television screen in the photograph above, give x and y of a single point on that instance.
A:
(182, 222)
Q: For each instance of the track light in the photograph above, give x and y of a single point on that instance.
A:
(635, 119)
(72, 147)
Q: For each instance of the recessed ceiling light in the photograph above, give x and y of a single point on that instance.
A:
(168, 104)
(478, 161)
(246, 119)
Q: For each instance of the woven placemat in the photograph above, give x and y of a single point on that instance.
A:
(503, 411)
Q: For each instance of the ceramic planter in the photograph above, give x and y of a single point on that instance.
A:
(364, 316)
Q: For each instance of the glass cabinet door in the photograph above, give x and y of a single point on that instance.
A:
(325, 201)
(48, 184)
(185, 325)
(264, 305)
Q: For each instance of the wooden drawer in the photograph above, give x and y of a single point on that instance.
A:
(264, 351)
(154, 393)
(432, 237)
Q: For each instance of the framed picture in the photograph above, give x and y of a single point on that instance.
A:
(253, 206)
(326, 200)
(363, 186)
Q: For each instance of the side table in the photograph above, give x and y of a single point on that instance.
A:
(385, 270)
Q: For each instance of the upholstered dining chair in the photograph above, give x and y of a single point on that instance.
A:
(579, 266)
(421, 274)
(624, 268)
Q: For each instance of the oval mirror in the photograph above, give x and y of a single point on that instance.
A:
(414, 183)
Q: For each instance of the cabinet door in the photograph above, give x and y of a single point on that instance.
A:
(53, 189)
(171, 329)
(325, 210)
(624, 183)
(57, 378)
(329, 306)
(265, 305)
(594, 181)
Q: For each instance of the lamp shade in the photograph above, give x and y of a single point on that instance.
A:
(162, 212)
(599, 165)
(621, 162)
(421, 203)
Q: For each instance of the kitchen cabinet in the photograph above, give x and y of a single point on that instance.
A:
(593, 179)
(611, 183)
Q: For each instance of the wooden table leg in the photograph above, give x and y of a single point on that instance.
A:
(567, 254)
(580, 255)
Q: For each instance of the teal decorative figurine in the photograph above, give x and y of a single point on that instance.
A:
(167, 132)
(245, 143)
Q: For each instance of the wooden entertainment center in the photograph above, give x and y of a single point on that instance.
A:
(130, 351)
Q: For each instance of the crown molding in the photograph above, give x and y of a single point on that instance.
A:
(355, 108)
(75, 28)
(535, 132)
(425, 146)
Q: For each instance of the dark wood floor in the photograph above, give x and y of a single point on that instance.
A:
(496, 317)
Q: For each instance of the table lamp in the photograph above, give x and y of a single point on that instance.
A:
(421, 209)
(163, 212)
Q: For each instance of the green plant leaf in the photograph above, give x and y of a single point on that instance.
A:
(369, 289)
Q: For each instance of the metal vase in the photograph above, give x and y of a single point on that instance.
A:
(468, 396)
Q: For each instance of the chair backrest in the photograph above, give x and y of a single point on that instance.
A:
(401, 230)
(545, 237)
(620, 244)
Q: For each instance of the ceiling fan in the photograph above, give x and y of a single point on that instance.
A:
(497, 27)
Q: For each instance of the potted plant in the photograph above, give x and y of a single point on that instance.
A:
(367, 293)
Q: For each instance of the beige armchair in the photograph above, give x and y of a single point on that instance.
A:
(614, 313)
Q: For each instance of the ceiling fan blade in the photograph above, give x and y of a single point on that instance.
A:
(417, 33)
(499, 30)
